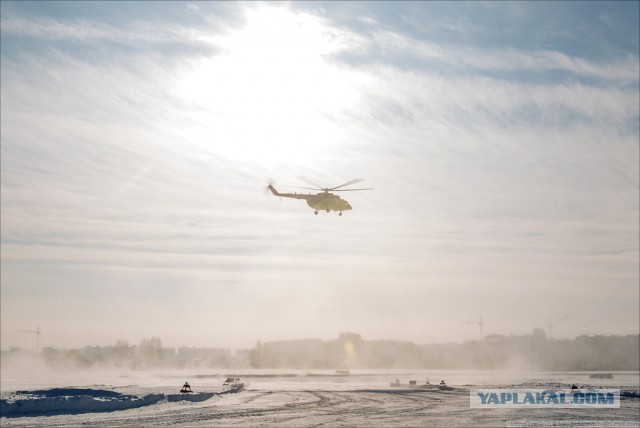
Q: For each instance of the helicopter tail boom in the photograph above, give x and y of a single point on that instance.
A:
(287, 195)
(273, 190)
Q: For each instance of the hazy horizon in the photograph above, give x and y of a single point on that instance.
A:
(31, 347)
(138, 138)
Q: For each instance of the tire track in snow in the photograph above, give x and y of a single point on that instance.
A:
(317, 408)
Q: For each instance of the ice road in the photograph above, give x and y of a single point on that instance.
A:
(304, 401)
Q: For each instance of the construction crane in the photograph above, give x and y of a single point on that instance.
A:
(551, 324)
(37, 333)
(481, 324)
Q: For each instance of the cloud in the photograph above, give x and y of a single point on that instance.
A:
(473, 60)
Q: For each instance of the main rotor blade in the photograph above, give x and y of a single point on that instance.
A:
(349, 190)
(308, 188)
(312, 183)
(357, 180)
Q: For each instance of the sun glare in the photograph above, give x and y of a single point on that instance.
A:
(268, 97)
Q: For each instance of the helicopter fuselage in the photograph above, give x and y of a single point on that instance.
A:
(323, 201)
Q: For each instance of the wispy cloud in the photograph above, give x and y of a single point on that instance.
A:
(498, 171)
(472, 60)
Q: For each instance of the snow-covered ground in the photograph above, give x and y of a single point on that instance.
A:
(297, 398)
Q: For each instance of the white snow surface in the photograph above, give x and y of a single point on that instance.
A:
(93, 399)
(300, 398)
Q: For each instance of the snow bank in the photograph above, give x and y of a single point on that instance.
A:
(196, 396)
(71, 400)
(236, 387)
(86, 400)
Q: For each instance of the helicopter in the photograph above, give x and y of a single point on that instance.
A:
(325, 200)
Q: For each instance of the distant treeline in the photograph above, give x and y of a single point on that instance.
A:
(528, 352)
(148, 354)
(350, 351)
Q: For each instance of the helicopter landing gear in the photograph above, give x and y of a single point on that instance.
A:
(316, 212)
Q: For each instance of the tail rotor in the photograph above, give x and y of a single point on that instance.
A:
(267, 188)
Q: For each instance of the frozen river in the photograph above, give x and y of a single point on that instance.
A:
(307, 399)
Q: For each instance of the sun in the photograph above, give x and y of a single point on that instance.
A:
(273, 94)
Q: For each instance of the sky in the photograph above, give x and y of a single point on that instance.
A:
(501, 141)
